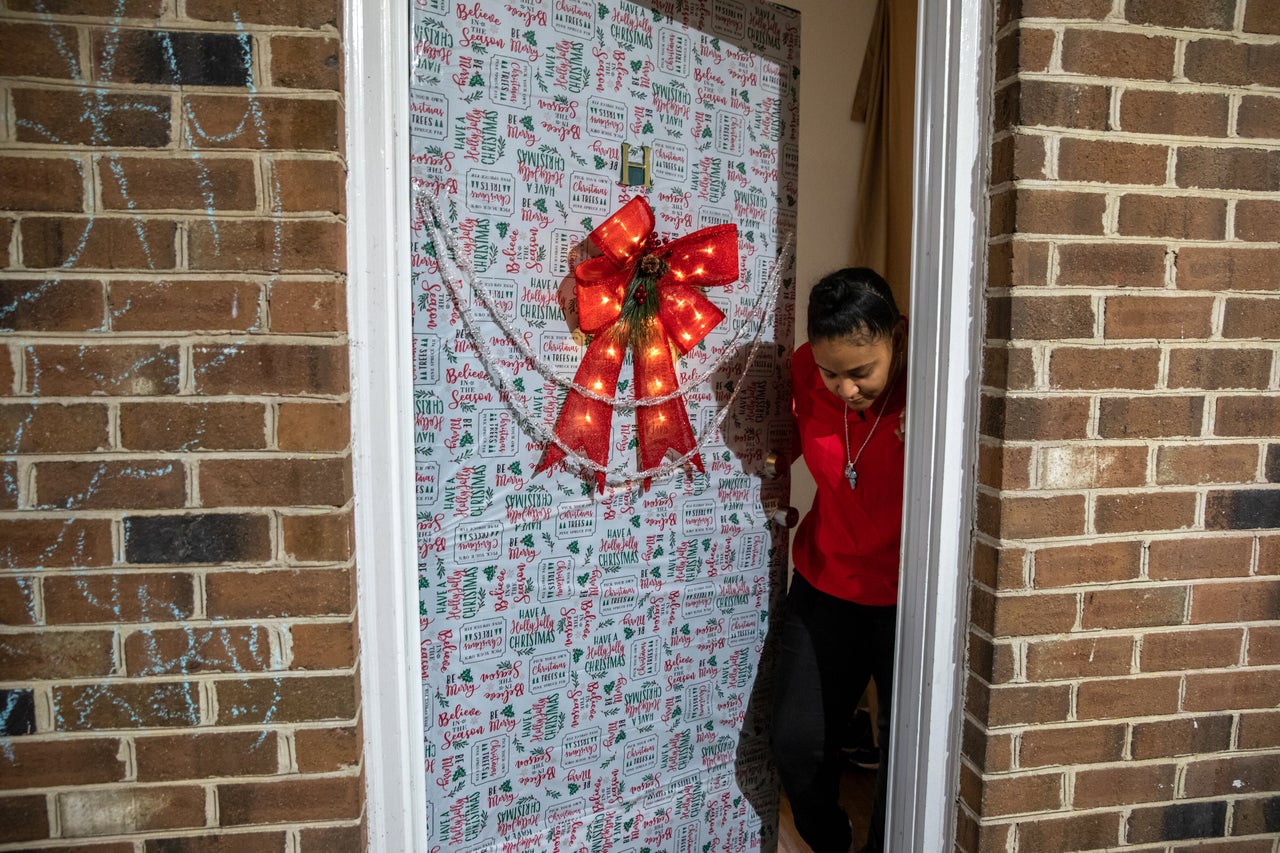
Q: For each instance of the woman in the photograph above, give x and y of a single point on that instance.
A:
(839, 621)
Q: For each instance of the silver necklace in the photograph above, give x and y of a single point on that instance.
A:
(851, 464)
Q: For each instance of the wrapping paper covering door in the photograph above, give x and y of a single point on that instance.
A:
(594, 664)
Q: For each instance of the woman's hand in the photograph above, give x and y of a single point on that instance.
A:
(901, 431)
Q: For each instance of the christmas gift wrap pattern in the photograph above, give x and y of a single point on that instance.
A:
(594, 667)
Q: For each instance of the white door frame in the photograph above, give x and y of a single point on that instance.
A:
(947, 279)
(942, 415)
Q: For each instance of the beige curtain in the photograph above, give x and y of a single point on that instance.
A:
(885, 101)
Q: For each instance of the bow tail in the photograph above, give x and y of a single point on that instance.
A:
(665, 427)
(585, 425)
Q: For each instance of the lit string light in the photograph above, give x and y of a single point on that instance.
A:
(439, 234)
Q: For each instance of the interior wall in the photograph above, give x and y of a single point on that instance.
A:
(833, 39)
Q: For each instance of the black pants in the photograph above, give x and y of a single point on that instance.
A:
(828, 649)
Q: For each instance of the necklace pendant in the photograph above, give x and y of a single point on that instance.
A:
(851, 474)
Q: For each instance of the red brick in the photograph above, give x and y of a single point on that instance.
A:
(268, 246)
(193, 426)
(1040, 317)
(1098, 53)
(1016, 157)
(1259, 117)
(328, 750)
(1091, 466)
(311, 14)
(1026, 615)
(1208, 557)
(116, 811)
(998, 567)
(1259, 731)
(1018, 263)
(326, 838)
(1174, 113)
(268, 594)
(1264, 645)
(1180, 217)
(1177, 317)
(1095, 562)
(335, 798)
(1021, 794)
(1097, 368)
(46, 654)
(1245, 774)
(313, 426)
(240, 842)
(1254, 816)
(323, 645)
(1150, 417)
(1212, 463)
(1214, 268)
(307, 306)
(75, 370)
(308, 185)
(39, 183)
(200, 184)
(1031, 517)
(1258, 220)
(51, 305)
(132, 484)
(183, 305)
(44, 543)
(1004, 467)
(125, 705)
(1023, 49)
(23, 818)
(1116, 698)
(318, 537)
(18, 600)
(306, 63)
(1197, 14)
(179, 651)
(1269, 555)
(1251, 416)
(1198, 649)
(1119, 786)
(1262, 16)
(1215, 369)
(54, 764)
(1058, 212)
(1181, 736)
(171, 758)
(1241, 601)
(1228, 168)
(1233, 62)
(1035, 418)
(1110, 265)
(1100, 160)
(1142, 512)
(68, 117)
(1246, 317)
(94, 8)
(1044, 747)
(1097, 831)
(989, 753)
(265, 122)
(1051, 104)
(41, 49)
(53, 427)
(1079, 657)
(1134, 607)
(122, 243)
(1023, 705)
(247, 701)
(6, 235)
(275, 482)
(269, 369)
(131, 597)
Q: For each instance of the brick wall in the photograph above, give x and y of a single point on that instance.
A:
(177, 636)
(1124, 654)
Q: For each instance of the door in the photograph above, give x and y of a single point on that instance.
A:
(593, 642)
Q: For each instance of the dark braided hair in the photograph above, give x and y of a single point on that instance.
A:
(853, 301)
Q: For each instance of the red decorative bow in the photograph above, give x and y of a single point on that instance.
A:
(643, 295)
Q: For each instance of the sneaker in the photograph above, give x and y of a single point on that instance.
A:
(866, 757)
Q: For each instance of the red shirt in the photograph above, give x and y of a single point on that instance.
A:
(848, 543)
